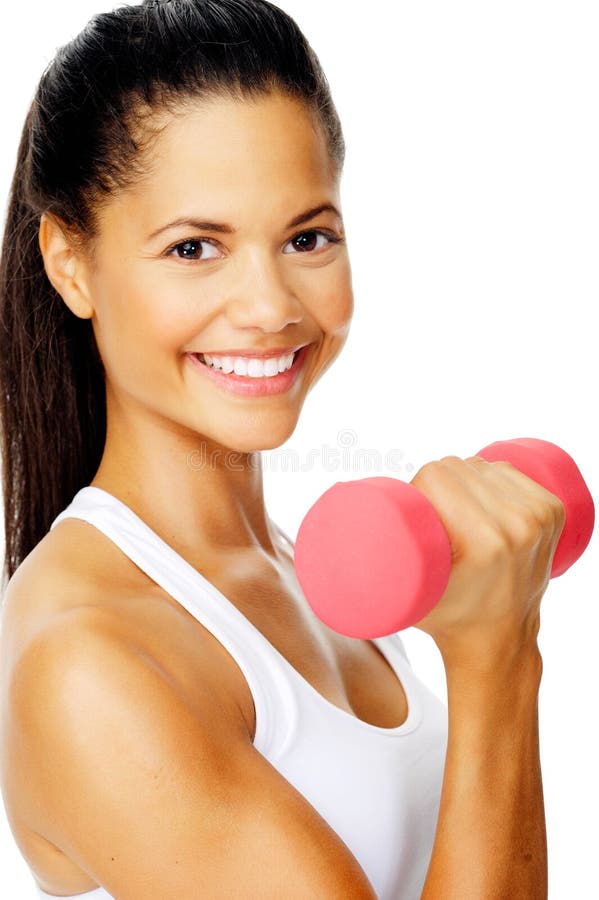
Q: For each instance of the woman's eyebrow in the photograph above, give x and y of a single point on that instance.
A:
(224, 228)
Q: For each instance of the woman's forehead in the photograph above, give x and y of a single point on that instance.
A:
(229, 129)
(229, 158)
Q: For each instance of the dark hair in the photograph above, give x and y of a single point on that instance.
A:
(83, 140)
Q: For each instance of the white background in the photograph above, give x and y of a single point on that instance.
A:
(471, 204)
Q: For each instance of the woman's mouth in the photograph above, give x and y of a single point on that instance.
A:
(261, 383)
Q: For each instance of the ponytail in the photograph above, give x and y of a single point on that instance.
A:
(52, 392)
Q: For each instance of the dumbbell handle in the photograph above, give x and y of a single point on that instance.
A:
(373, 557)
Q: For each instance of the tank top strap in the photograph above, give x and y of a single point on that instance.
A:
(286, 537)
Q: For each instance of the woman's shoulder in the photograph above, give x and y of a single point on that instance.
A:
(77, 587)
(78, 578)
(59, 574)
(67, 572)
(74, 559)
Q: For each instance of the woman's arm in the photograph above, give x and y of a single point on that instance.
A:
(490, 842)
(153, 798)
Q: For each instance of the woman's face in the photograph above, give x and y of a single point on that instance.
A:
(160, 292)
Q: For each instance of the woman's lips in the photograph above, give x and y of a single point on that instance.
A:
(245, 386)
(247, 353)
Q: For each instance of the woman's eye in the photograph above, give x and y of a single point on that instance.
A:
(308, 245)
(305, 241)
(188, 248)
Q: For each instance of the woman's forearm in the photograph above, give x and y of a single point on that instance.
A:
(490, 842)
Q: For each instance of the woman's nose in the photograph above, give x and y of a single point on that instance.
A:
(262, 296)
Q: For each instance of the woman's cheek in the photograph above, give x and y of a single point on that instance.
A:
(174, 314)
(337, 307)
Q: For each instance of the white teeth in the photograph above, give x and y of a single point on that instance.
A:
(287, 362)
(271, 367)
(257, 368)
(253, 368)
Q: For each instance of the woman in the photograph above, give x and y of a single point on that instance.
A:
(176, 722)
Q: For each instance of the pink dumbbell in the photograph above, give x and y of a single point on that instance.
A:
(372, 556)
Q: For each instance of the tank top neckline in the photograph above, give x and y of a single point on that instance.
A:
(384, 644)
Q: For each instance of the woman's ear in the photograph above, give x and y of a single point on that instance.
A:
(64, 268)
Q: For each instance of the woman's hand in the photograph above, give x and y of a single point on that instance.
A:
(503, 528)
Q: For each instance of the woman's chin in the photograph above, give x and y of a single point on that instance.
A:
(254, 436)
(267, 440)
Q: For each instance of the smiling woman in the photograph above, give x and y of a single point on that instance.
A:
(175, 273)
(175, 720)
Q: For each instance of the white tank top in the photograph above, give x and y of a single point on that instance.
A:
(378, 788)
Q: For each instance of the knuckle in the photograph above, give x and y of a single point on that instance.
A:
(523, 526)
(450, 460)
(502, 464)
(550, 511)
(429, 470)
(478, 459)
(491, 544)
(559, 511)
(423, 473)
(555, 518)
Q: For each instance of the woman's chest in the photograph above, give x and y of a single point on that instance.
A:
(351, 674)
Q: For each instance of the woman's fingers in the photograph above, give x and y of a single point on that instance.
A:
(521, 491)
(503, 528)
